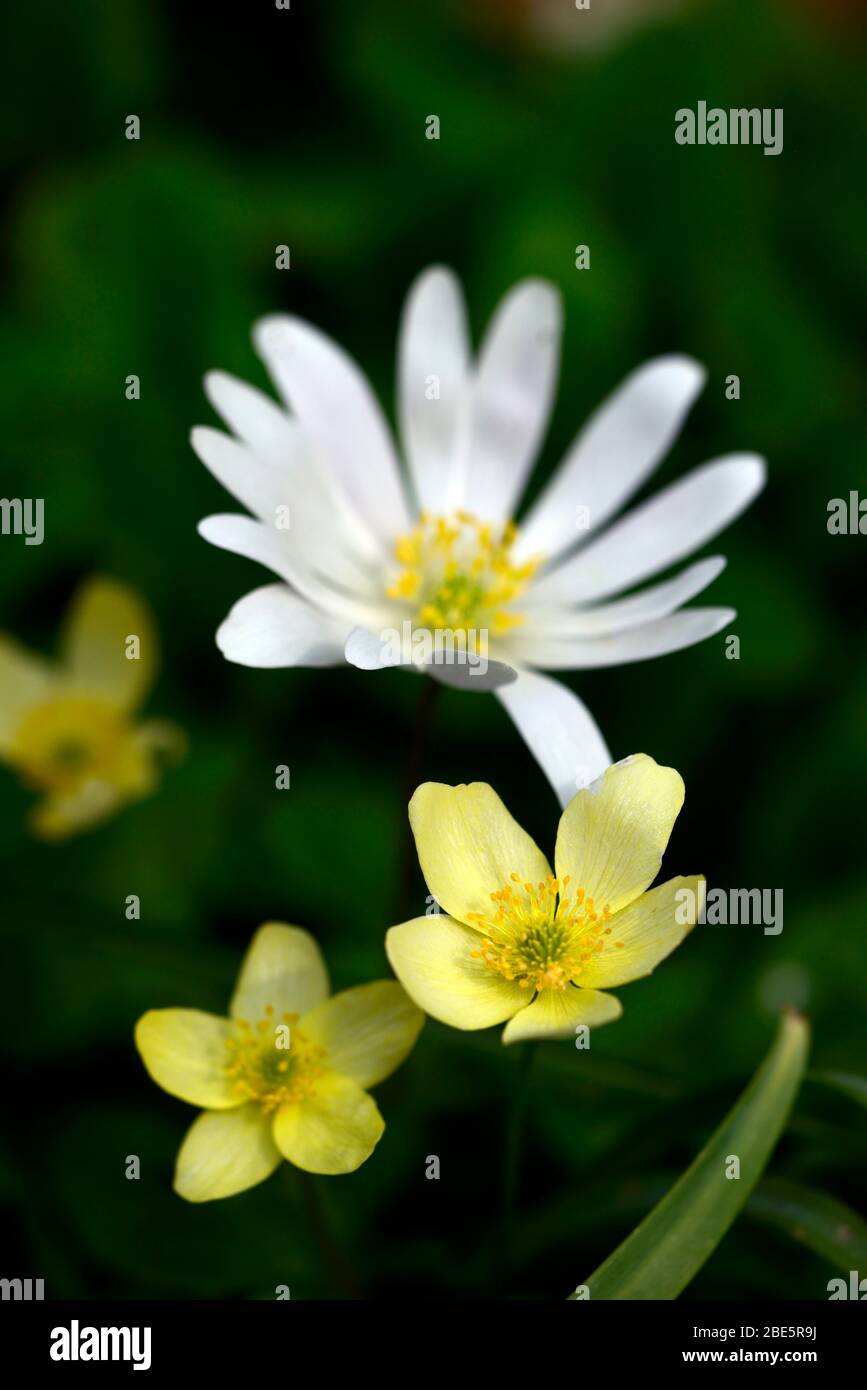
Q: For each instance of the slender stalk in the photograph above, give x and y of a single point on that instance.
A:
(513, 1149)
(411, 777)
(336, 1263)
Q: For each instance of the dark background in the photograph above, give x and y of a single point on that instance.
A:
(307, 127)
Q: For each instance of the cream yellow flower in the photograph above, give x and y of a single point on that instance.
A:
(537, 948)
(285, 1075)
(68, 728)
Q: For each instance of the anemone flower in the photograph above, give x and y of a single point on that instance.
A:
(424, 567)
(286, 1075)
(70, 727)
(516, 942)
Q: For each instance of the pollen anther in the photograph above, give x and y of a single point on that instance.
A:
(542, 937)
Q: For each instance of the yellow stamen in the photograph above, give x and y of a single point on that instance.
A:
(260, 1069)
(541, 938)
(68, 742)
(459, 573)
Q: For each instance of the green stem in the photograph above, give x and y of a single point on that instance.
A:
(514, 1145)
(336, 1263)
(415, 760)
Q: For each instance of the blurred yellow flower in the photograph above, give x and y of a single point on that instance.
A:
(68, 728)
(537, 948)
(285, 1075)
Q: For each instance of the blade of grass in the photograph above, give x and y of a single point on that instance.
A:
(847, 1083)
(671, 1244)
(824, 1225)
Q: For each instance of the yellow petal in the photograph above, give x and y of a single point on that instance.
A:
(333, 1131)
(367, 1031)
(129, 772)
(25, 681)
(469, 846)
(556, 1013)
(101, 617)
(185, 1052)
(433, 959)
(646, 932)
(224, 1153)
(58, 816)
(613, 834)
(283, 967)
(159, 742)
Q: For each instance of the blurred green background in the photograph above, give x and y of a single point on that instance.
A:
(306, 127)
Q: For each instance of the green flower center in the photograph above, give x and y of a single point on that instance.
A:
(460, 573)
(64, 742)
(273, 1063)
(541, 936)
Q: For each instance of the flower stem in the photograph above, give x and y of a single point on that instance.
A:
(513, 1149)
(412, 772)
(337, 1264)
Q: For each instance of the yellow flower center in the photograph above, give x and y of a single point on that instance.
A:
(273, 1063)
(459, 573)
(73, 739)
(541, 935)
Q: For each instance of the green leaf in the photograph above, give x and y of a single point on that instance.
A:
(814, 1219)
(847, 1083)
(671, 1244)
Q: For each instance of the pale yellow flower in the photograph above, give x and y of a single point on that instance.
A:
(285, 1075)
(68, 727)
(537, 948)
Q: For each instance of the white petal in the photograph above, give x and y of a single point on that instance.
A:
(284, 456)
(656, 534)
(374, 651)
(669, 634)
(476, 675)
(340, 416)
(618, 448)
(605, 619)
(257, 420)
(433, 342)
(510, 400)
(460, 668)
(273, 627)
(245, 473)
(253, 539)
(559, 731)
(243, 536)
(323, 537)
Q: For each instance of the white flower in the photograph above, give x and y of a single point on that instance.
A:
(372, 559)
